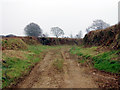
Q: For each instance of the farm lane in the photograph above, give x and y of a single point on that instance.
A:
(45, 75)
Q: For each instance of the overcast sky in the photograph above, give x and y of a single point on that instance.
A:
(70, 15)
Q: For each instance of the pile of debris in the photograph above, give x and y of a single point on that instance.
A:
(108, 37)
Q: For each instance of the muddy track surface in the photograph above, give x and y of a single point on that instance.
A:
(45, 75)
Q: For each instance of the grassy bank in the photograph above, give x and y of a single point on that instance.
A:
(105, 61)
(18, 63)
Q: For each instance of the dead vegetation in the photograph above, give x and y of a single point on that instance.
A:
(60, 41)
(16, 43)
(109, 37)
(13, 44)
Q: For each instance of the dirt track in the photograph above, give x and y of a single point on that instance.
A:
(45, 75)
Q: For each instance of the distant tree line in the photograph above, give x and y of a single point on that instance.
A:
(33, 29)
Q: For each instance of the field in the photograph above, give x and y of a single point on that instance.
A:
(29, 62)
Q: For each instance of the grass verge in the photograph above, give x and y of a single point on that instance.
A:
(15, 67)
(105, 61)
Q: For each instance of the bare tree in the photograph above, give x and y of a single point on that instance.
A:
(88, 30)
(79, 35)
(71, 36)
(45, 34)
(33, 30)
(57, 31)
(97, 25)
